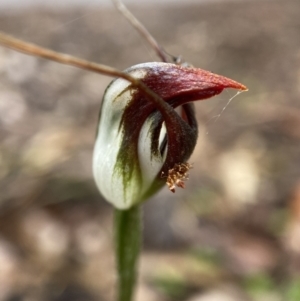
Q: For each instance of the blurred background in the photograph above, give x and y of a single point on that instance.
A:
(232, 235)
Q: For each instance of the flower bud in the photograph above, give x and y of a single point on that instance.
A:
(137, 141)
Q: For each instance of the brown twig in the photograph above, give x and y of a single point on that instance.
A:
(34, 50)
(141, 29)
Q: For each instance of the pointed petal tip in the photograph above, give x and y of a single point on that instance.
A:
(243, 88)
(229, 83)
(220, 80)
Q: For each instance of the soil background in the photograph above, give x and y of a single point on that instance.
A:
(232, 234)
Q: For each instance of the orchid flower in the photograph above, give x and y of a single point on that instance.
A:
(137, 141)
(147, 128)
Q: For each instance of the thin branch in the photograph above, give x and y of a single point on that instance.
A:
(34, 50)
(141, 29)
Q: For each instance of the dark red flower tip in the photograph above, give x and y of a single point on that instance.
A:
(174, 81)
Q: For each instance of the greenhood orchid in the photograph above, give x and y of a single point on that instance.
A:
(137, 142)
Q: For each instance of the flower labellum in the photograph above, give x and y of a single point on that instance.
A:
(137, 141)
(177, 175)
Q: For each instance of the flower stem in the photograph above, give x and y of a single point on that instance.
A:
(127, 246)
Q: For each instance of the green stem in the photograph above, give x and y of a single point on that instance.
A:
(127, 244)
